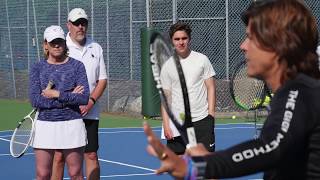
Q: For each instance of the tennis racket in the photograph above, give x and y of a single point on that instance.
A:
(24, 132)
(248, 93)
(166, 67)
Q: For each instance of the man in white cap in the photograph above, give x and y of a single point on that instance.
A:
(90, 54)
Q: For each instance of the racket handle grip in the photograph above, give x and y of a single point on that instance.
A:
(50, 84)
(191, 137)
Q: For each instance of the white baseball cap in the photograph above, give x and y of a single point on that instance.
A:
(53, 32)
(77, 13)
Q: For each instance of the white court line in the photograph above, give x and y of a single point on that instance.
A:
(6, 131)
(234, 128)
(217, 128)
(5, 136)
(108, 161)
(140, 127)
(4, 139)
(10, 140)
(104, 160)
(116, 132)
(23, 154)
(129, 165)
(246, 123)
(124, 175)
(225, 124)
(124, 164)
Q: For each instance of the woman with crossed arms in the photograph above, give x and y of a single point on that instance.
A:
(59, 124)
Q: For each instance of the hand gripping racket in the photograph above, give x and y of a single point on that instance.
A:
(166, 69)
(24, 132)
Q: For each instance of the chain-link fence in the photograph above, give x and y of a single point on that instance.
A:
(115, 24)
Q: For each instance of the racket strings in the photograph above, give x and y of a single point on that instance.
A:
(162, 52)
(248, 92)
(21, 137)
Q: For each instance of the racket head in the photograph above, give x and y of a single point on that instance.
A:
(166, 69)
(248, 93)
(22, 135)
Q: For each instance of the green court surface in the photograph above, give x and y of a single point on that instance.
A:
(14, 110)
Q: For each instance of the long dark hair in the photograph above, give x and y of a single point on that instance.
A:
(288, 28)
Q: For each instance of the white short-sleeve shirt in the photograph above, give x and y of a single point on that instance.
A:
(197, 68)
(91, 55)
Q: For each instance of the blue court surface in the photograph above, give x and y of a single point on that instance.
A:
(122, 153)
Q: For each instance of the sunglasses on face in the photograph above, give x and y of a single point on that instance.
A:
(83, 22)
(57, 41)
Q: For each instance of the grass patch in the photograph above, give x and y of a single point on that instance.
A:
(12, 111)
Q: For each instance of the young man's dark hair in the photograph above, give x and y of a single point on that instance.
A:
(180, 26)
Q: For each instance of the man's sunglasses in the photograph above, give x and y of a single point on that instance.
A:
(83, 22)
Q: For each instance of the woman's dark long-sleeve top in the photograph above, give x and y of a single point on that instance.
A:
(65, 78)
(289, 145)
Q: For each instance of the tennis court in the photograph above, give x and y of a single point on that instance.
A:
(122, 153)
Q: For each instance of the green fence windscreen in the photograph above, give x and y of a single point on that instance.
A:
(150, 96)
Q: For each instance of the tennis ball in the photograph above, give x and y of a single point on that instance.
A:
(182, 116)
(233, 117)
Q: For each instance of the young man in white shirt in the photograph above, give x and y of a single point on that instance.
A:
(90, 54)
(199, 75)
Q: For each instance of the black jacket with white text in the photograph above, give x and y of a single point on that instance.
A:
(289, 144)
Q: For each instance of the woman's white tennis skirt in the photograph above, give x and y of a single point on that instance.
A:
(59, 134)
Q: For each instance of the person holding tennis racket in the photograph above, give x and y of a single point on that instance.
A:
(199, 77)
(59, 124)
(280, 48)
(90, 53)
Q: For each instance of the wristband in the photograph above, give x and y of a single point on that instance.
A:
(190, 173)
(200, 165)
(93, 100)
(196, 167)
